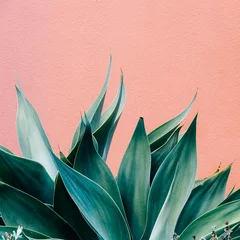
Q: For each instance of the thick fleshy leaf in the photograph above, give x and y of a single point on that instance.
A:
(170, 125)
(109, 121)
(30, 233)
(67, 209)
(161, 153)
(217, 217)
(31, 136)
(232, 197)
(203, 198)
(171, 187)
(26, 175)
(134, 179)
(20, 209)
(64, 159)
(95, 204)
(95, 110)
(5, 149)
(89, 163)
(162, 140)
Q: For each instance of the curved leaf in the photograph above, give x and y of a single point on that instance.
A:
(170, 125)
(95, 110)
(89, 163)
(6, 150)
(232, 197)
(31, 136)
(161, 153)
(162, 140)
(203, 198)
(109, 121)
(171, 187)
(20, 209)
(95, 204)
(33, 234)
(67, 209)
(26, 175)
(217, 217)
(134, 179)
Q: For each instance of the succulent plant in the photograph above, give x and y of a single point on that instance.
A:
(75, 196)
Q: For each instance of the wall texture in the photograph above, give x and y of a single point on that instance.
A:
(167, 49)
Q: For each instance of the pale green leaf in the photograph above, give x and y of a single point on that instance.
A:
(31, 136)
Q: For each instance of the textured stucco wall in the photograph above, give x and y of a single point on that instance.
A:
(167, 49)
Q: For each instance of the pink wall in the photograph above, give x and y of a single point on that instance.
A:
(167, 49)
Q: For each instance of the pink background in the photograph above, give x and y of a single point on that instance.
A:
(167, 49)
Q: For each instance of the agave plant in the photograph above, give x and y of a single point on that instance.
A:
(75, 196)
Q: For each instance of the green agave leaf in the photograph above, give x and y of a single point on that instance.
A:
(236, 231)
(161, 153)
(29, 238)
(109, 121)
(72, 155)
(5, 149)
(217, 217)
(95, 110)
(89, 163)
(171, 187)
(26, 175)
(224, 235)
(162, 140)
(1, 221)
(134, 179)
(64, 159)
(170, 125)
(232, 190)
(221, 232)
(203, 198)
(95, 204)
(67, 209)
(20, 209)
(33, 234)
(31, 136)
(232, 197)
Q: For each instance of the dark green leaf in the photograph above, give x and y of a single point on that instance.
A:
(217, 217)
(5, 149)
(203, 198)
(95, 110)
(33, 234)
(89, 163)
(232, 197)
(95, 204)
(26, 175)
(67, 209)
(161, 153)
(109, 121)
(171, 187)
(134, 179)
(20, 209)
(159, 132)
